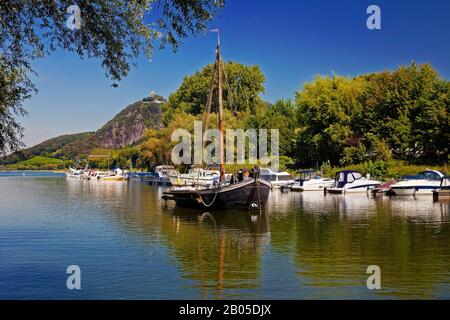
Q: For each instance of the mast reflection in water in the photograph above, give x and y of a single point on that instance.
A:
(130, 244)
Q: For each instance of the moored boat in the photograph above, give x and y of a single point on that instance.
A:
(116, 175)
(196, 176)
(277, 179)
(349, 181)
(247, 194)
(163, 175)
(242, 194)
(311, 181)
(424, 183)
(75, 174)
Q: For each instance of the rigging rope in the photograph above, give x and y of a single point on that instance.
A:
(214, 199)
(230, 91)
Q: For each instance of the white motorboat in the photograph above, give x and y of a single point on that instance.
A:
(117, 175)
(349, 181)
(100, 174)
(163, 175)
(196, 176)
(277, 179)
(311, 181)
(424, 183)
(75, 174)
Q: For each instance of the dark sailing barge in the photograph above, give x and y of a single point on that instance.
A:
(247, 194)
(251, 193)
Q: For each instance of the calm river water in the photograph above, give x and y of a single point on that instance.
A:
(130, 245)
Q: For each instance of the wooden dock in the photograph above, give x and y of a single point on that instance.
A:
(441, 195)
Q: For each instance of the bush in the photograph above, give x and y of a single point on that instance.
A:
(377, 168)
(353, 155)
(326, 168)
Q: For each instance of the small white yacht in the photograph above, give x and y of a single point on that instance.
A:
(196, 176)
(163, 175)
(100, 174)
(349, 181)
(311, 181)
(75, 174)
(277, 179)
(116, 175)
(424, 182)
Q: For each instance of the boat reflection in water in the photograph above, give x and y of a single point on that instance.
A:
(338, 237)
(304, 245)
(221, 251)
(129, 244)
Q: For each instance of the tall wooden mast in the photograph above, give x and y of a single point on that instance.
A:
(219, 88)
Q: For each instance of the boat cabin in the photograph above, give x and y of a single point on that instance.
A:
(346, 176)
(306, 175)
(269, 175)
(431, 175)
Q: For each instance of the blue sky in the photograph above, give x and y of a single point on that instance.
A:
(292, 41)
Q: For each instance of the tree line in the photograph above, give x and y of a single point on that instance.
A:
(389, 115)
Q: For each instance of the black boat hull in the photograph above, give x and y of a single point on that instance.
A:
(242, 195)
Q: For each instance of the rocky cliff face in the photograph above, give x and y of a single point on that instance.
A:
(129, 125)
(126, 128)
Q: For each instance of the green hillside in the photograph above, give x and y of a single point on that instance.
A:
(125, 129)
(40, 163)
(47, 148)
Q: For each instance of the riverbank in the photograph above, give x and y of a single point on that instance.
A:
(386, 170)
(378, 169)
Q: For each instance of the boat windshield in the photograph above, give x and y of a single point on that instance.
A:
(430, 175)
(307, 175)
(413, 177)
(269, 177)
(357, 175)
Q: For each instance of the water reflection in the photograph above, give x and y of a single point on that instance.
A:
(304, 245)
(337, 237)
(331, 239)
(220, 251)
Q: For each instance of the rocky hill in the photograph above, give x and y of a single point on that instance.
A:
(129, 125)
(126, 128)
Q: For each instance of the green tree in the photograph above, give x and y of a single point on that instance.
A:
(408, 109)
(157, 146)
(281, 116)
(325, 109)
(401, 114)
(114, 31)
(241, 89)
(431, 123)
